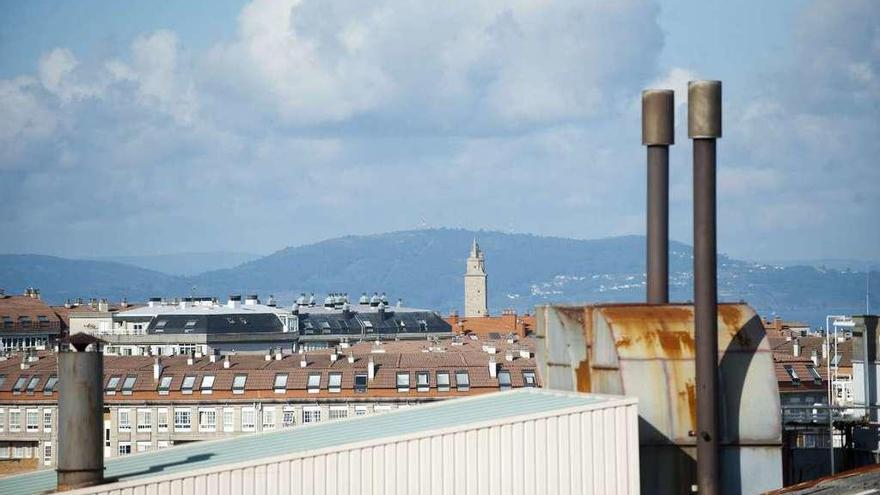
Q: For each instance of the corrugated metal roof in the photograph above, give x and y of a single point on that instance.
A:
(491, 408)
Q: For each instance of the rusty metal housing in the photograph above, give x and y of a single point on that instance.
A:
(648, 351)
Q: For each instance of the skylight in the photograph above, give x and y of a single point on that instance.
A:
(49, 387)
(128, 384)
(334, 382)
(207, 384)
(462, 380)
(32, 385)
(164, 384)
(189, 382)
(314, 383)
(112, 383)
(504, 380)
(19, 384)
(280, 384)
(238, 384)
(529, 378)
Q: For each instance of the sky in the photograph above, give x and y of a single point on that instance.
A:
(133, 128)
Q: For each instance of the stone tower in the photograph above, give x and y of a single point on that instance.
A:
(475, 284)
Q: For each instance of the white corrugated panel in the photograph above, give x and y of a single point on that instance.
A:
(587, 449)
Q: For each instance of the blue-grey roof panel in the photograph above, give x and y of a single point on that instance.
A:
(495, 406)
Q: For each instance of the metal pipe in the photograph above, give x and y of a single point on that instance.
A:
(704, 127)
(80, 419)
(658, 133)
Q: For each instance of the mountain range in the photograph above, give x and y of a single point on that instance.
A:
(425, 268)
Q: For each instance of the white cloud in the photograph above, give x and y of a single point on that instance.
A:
(58, 75)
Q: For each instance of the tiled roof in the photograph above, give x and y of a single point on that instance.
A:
(801, 367)
(27, 314)
(398, 357)
(494, 326)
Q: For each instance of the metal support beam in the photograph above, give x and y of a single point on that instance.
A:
(658, 132)
(704, 127)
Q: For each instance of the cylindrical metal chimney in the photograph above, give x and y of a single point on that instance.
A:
(658, 133)
(704, 127)
(80, 415)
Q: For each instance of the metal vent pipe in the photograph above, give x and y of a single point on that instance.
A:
(704, 127)
(80, 417)
(658, 133)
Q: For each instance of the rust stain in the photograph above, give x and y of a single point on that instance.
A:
(582, 373)
(624, 342)
(691, 397)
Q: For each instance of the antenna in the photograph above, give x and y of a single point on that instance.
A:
(868, 291)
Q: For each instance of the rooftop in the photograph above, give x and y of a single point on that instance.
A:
(421, 421)
(27, 314)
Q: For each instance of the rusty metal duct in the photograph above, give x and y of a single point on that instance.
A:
(80, 414)
(704, 127)
(658, 133)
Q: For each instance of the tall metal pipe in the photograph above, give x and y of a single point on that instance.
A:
(658, 133)
(704, 127)
(80, 417)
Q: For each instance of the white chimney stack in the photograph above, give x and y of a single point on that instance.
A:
(213, 357)
(493, 367)
(350, 358)
(814, 356)
(334, 357)
(371, 369)
(525, 353)
(157, 369)
(267, 357)
(226, 363)
(508, 356)
(796, 348)
(302, 362)
(278, 355)
(824, 351)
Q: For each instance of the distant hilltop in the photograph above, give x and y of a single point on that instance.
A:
(427, 267)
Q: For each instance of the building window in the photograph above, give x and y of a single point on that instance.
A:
(338, 412)
(4, 450)
(423, 326)
(228, 419)
(238, 384)
(443, 381)
(314, 384)
(268, 418)
(2, 419)
(165, 385)
(248, 419)
(14, 420)
(123, 420)
(529, 378)
(402, 382)
(160, 326)
(112, 383)
(334, 382)
(311, 414)
(288, 417)
(19, 384)
(795, 379)
(47, 420)
(504, 380)
(182, 419)
(280, 384)
(32, 384)
(423, 383)
(207, 384)
(462, 381)
(162, 419)
(207, 420)
(49, 387)
(360, 382)
(124, 448)
(360, 410)
(33, 419)
(47, 453)
(144, 419)
(189, 382)
(144, 446)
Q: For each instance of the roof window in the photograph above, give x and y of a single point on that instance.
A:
(128, 384)
(462, 380)
(423, 381)
(112, 383)
(49, 387)
(238, 384)
(164, 385)
(529, 378)
(504, 380)
(314, 383)
(24, 321)
(189, 326)
(814, 373)
(19, 384)
(360, 382)
(32, 385)
(795, 378)
(334, 382)
(403, 381)
(423, 326)
(189, 382)
(43, 319)
(280, 384)
(160, 325)
(442, 381)
(207, 384)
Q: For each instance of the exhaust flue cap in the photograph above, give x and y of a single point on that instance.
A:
(658, 117)
(704, 109)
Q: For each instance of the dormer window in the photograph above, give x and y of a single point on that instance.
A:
(112, 383)
(128, 384)
(164, 385)
(238, 384)
(24, 321)
(189, 382)
(280, 384)
(8, 322)
(207, 384)
(423, 326)
(43, 319)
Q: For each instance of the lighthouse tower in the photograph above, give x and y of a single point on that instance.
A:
(475, 284)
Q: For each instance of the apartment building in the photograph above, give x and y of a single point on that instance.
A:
(153, 403)
(26, 322)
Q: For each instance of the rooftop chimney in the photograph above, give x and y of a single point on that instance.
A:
(226, 363)
(233, 302)
(796, 348)
(80, 415)
(371, 369)
(153, 302)
(157, 368)
(704, 127)
(278, 354)
(251, 300)
(493, 367)
(303, 362)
